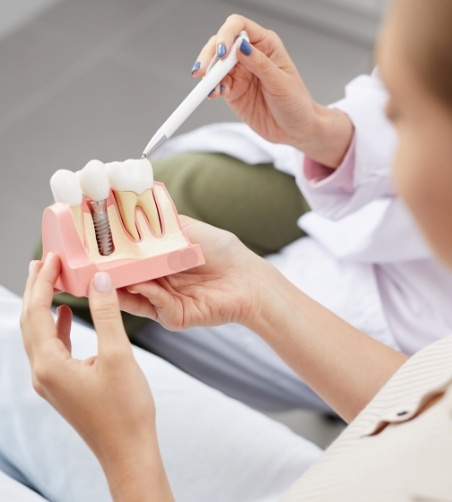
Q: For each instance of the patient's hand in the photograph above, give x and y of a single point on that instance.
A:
(223, 290)
(106, 398)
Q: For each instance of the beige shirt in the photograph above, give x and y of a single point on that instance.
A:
(398, 448)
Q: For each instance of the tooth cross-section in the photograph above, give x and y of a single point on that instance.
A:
(132, 182)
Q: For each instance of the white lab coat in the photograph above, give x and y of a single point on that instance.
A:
(365, 258)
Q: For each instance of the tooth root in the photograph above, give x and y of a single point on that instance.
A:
(127, 202)
(147, 203)
(78, 218)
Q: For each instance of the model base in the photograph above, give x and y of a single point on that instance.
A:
(70, 234)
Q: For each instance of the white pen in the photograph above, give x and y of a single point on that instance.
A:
(216, 71)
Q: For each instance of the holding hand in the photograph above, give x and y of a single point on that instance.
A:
(223, 290)
(106, 398)
(266, 91)
(236, 285)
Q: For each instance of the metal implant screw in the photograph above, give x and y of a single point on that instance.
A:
(102, 227)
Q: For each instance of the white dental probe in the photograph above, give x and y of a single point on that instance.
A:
(216, 71)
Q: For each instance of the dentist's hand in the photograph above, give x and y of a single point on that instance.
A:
(106, 398)
(266, 91)
(223, 290)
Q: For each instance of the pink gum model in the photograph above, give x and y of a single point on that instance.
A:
(131, 261)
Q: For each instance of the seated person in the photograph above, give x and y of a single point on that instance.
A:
(371, 265)
(399, 409)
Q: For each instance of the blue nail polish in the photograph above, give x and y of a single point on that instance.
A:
(222, 88)
(221, 50)
(196, 66)
(245, 47)
(211, 92)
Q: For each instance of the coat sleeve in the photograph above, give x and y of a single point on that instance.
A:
(356, 213)
(365, 173)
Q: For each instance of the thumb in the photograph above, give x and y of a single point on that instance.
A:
(106, 314)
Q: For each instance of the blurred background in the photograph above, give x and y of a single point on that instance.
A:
(84, 79)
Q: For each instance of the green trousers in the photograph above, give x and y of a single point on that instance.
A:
(258, 203)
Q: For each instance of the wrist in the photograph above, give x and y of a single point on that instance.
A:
(271, 297)
(136, 473)
(329, 137)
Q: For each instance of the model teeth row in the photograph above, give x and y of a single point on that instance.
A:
(131, 181)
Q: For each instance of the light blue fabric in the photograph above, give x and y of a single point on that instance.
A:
(236, 361)
(13, 491)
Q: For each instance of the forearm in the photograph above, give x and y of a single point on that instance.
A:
(343, 365)
(329, 138)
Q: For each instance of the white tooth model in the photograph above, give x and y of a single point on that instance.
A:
(66, 187)
(114, 217)
(132, 182)
(94, 180)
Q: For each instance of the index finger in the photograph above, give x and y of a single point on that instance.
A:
(232, 27)
(33, 269)
(226, 36)
(37, 302)
(41, 283)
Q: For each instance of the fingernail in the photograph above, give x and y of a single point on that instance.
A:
(49, 257)
(245, 47)
(221, 50)
(102, 282)
(196, 66)
(222, 88)
(32, 267)
(211, 92)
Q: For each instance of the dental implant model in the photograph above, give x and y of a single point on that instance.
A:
(114, 217)
(95, 186)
